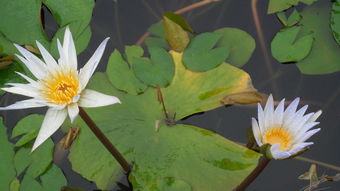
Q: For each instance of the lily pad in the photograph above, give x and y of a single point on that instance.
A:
(175, 33)
(324, 56)
(157, 36)
(281, 5)
(29, 166)
(293, 18)
(335, 20)
(286, 48)
(240, 44)
(201, 55)
(193, 157)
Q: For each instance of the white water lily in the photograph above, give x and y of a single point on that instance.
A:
(285, 130)
(59, 85)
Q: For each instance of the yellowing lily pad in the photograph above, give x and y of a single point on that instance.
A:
(193, 158)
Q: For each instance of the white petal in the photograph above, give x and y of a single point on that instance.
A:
(91, 65)
(53, 120)
(73, 111)
(91, 98)
(35, 69)
(70, 50)
(62, 57)
(256, 132)
(315, 116)
(269, 112)
(49, 60)
(279, 113)
(281, 155)
(297, 125)
(260, 118)
(290, 111)
(29, 103)
(308, 134)
(32, 82)
(23, 89)
(299, 147)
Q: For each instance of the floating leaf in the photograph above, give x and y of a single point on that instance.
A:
(157, 38)
(28, 127)
(121, 75)
(178, 19)
(335, 20)
(293, 18)
(281, 5)
(324, 56)
(186, 154)
(240, 44)
(201, 55)
(157, 71)
(175, 34)
(15, 185)
(168, 184)
(6, 159)
(53, 179)
(287, 48)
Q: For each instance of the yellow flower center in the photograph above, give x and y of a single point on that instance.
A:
(278, 135)
(61, 87)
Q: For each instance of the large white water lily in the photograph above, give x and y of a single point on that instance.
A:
(285, 130)
(59, 85)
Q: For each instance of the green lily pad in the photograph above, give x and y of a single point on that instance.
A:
(293, 18)
(335, 20)
(240, 44)
(121, 74)
(157, 71)
(201, 55)
(190, 155)
(286, 48)
(23, 163)
(324, 56)
(28, 127)
(6, 159)
(281, 5)
(157, 36)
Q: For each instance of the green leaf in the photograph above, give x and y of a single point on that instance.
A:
(240, 44)
(181, 153)
(8, 75)
(281, 5)
(157, 38)
(53, 179)
(176, 36)
(335, 20)
(324, 56)
(293, 19)
(36, 162)
(6, 159)
(286, 48)
(28, 127)
(201, 55)
(157, 71)
(121, 75)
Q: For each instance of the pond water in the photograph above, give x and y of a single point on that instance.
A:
(126, 20)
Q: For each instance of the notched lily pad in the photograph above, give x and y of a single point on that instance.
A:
(281, 5)
(168, 184)
(201, 54)
(286, 47)
(240, 44)
(292, 19)
(137, 127)
(156, 71)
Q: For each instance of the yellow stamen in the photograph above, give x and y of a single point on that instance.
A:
(278, 135)
(61, 87)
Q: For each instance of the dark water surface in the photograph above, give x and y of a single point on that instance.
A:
(126, 20)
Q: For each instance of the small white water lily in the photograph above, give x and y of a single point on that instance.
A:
(285, 130)
(59, 86)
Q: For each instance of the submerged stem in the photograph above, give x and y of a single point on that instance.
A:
(252, 176)
(104, 140)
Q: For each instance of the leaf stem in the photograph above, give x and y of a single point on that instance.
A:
(104, 140)
(333, 167)
(253, 175)
(179, 11)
